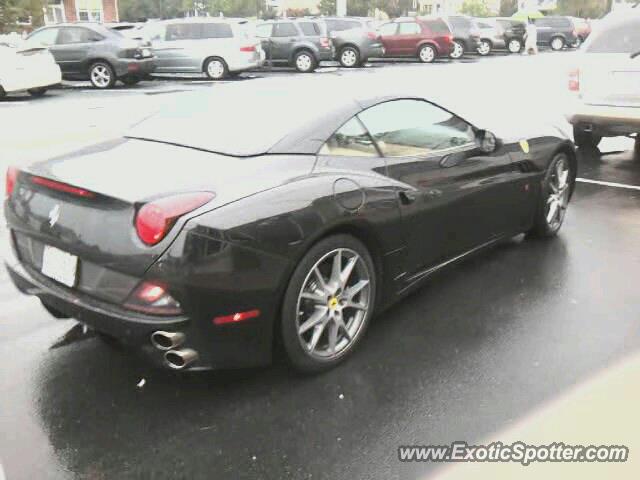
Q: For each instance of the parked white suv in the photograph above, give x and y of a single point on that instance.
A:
(214, 46)
(607, 83)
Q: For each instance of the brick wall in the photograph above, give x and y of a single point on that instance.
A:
(110, 9)
(70, 10)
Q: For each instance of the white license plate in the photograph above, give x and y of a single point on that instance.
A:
(59, 265)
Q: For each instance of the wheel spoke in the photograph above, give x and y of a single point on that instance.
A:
(357, 306)
(333, 337)
(320, 278)
(342, 326)
(317, 317)
(317, 333)
(316, 297)
(346, 273)
(553, 209)
(354, 290)
(335, 269)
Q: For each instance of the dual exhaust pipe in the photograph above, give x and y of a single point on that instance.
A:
(174, 357)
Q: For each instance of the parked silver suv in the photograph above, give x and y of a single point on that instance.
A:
(216, 46)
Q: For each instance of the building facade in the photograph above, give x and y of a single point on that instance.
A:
(58, 11)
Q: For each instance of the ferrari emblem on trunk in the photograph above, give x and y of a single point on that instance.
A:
(54, 215)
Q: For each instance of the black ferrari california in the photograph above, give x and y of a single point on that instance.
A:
(245, 218)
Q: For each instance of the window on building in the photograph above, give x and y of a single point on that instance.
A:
(89, 10)
(54, 12)
(427, 9)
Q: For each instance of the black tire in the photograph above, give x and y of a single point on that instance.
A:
(107, 78)
(427, 54)
(2, 92)
(130, 80)
(636, 148)
(352, 59)
(304, 61)
(557, 44)
(541, 227)
(458, 50)
(297, 355)
(216, 68)
(37, 92)
(483, 52)
(585, 139)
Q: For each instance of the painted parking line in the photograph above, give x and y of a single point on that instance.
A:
(608, 184)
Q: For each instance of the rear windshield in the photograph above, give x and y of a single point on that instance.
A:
(619, 38)
(437, 26)
(309, 28)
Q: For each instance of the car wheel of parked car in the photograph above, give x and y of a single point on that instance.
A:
(102, 75)
(37, 92)
(350, 57)
(485, 48)
(427, 54)
(215, 68)
(130, 80)
(514, 46)
(304, 62)
(328, 303)
(636, 148)
(557, 43)
(458, 50)
(585, 139)
(556, 192)
(2, 92)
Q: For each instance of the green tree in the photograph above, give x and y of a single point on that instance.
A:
(327, 7)
(582, 8)
(358, 8)
(475, 8)
(508, 7)
(9, 12)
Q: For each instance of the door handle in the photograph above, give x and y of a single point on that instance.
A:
(408, 196)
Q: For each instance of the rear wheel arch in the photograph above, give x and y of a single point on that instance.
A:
(303, 48)
(92, 61)
(429, 43)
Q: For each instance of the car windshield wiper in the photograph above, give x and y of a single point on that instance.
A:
(634, 54)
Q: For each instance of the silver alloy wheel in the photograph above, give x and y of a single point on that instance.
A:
(100, 76)
(427, 54)
(484, 48)
(304, 62)
(559, 189)
(458, 50)
(557, 44)
(333, 304)
(349, 57)
(515, 46)
(215, 69)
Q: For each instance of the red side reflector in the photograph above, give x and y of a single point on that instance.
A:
(236, 317)
(249, 48)
(62, 187)
(10, 180)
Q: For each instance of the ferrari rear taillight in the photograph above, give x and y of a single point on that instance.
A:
(152, 297)
(248, 48)
(155, 219)
(10, 180)
(574, 80)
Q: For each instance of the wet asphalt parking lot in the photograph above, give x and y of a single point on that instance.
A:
(475, 350)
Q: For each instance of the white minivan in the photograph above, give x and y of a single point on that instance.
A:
(218, 47)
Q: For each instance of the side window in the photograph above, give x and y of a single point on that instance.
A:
(409, 28)
(332, 25)
(75, 35)
(351, 140)
(183, 31)
(46, 37)
(286, 29)
(264, 30)
(388, 29)
(414, 128)
(309, 28)
(216, 30)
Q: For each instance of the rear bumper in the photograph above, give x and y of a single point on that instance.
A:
(375, 50)
(44, 76)
(605, 119)
(131, 66)
(248, 62)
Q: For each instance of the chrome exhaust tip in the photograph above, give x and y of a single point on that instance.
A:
(179, 359)
(167, 340)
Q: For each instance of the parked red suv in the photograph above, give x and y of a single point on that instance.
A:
(425, 38)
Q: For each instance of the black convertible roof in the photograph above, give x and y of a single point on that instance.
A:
(253, 118)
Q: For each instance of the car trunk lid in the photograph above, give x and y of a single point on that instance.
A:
(611, 79)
